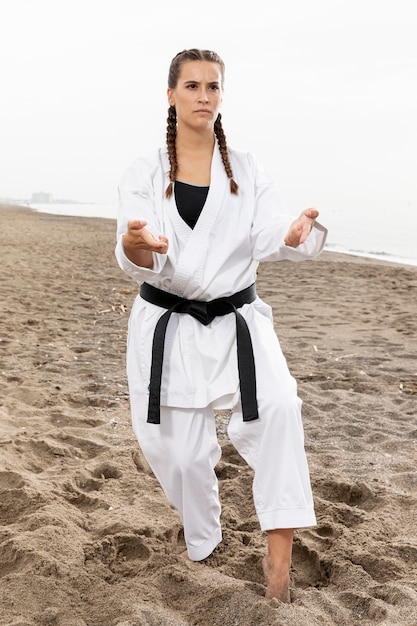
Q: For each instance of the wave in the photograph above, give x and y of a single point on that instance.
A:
(380, 256)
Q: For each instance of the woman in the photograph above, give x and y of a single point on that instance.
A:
(194, 222)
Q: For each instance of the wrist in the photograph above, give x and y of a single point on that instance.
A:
(141, 258)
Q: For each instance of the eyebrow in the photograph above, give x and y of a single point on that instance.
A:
(197, 82)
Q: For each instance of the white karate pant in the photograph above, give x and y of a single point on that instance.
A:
(183, 451)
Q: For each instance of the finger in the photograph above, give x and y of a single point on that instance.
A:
(311, 213)
(149, 239)
(164, 244)
(159, 244)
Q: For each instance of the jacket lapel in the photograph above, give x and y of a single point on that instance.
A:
(193, 243)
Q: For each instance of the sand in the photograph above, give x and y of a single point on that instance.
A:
(86, 535)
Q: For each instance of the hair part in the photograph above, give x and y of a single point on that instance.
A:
(193, 54)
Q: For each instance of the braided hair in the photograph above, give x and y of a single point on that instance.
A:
(193, 54)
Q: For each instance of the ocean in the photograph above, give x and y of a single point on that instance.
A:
(387, 236)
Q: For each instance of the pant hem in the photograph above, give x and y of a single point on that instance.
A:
(284, 518)
(204, 549)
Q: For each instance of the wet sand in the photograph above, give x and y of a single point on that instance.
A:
(86, 535)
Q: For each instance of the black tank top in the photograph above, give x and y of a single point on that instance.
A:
(190, 200)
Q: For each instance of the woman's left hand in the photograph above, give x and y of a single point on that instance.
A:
(300, 228)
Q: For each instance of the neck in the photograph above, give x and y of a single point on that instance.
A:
(192, 141)
(194, 155)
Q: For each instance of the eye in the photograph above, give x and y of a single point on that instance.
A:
(191, 86)
(215, 87)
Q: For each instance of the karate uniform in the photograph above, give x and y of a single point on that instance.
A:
(217, 258)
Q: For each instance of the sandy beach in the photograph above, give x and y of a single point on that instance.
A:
(87, 537)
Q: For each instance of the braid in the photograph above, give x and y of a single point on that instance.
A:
(172, 153)
(221, 138)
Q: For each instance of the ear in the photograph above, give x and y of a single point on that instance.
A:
(171, 99)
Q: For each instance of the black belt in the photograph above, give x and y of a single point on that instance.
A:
(204, 312)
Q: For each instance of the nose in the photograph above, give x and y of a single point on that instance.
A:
(203, 96)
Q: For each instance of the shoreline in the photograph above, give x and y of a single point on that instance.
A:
(330, 247)
(87, 537)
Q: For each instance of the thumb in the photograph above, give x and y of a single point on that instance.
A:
(137, 224)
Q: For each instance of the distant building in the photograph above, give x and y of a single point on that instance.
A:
(41, 198)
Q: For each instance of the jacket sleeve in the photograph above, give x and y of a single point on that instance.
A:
(137, 202)
(271, 223)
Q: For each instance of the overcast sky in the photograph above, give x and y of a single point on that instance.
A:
(324, 92)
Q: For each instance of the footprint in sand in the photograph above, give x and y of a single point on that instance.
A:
(356, 494)
(122, 555)
(16, 499)
(94, 480)
(363, 607)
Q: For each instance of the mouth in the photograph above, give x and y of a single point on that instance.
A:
(203, 111)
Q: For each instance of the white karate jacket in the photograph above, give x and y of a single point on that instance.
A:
(217, 258)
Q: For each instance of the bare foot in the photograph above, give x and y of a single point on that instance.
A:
(278, 580)
(184, 555)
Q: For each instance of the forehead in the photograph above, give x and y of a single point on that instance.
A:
(199, 71)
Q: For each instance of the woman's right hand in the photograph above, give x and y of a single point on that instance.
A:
(139, 243)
